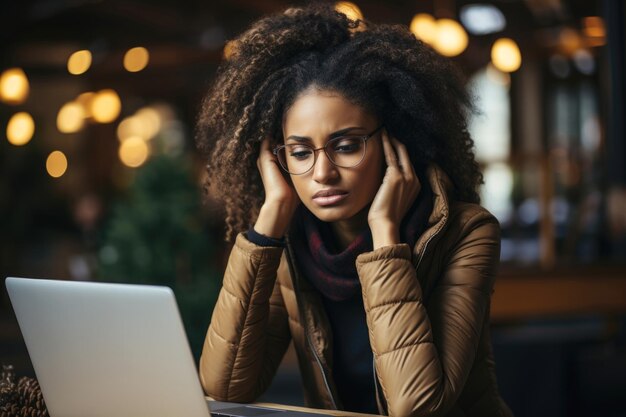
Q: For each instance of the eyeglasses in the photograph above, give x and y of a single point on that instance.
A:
(344, 152)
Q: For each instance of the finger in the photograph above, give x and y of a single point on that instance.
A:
(390, 154)
(266, 154)
(404, 160)
(263, 147)
(265, 157)
(270, 166)
(407, 168)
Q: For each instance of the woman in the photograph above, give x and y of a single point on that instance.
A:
(343, 151)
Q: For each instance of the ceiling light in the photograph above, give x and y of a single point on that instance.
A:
(505, 55)
(451, 38)
(482, 19)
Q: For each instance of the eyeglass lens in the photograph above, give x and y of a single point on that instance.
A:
(345, 152)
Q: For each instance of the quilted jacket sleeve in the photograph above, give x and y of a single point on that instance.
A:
(423, 354)
(249, 331)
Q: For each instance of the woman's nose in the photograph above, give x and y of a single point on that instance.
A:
(324, 170)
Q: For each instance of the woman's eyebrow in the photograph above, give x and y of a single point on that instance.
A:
(331, 136)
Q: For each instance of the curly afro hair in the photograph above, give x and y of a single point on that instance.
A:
(418, 95)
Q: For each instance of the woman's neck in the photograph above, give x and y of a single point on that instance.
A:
(346, 231)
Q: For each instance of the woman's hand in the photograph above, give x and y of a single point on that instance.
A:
(399, 188)
(281, 198)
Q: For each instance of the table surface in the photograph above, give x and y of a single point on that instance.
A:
(310, 410)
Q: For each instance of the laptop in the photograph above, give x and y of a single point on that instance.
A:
(105, 350)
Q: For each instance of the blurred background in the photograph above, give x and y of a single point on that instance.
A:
(100, 180)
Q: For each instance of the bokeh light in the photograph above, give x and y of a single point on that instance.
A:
(56, 164)
(424, 27)
(14, 86)
(79, 62)
(71, 117)
(570, 40)
(151, 120)
(505, 55)
(130, 127)
(145, 124)
(482, 19)
(136, 59)
(584, 61)
(20, 129)
(593, 27)
(105, 106)
(85, 100)
(133, 152)
(350, 9)
(451, 38)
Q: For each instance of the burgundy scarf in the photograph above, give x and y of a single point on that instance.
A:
(333, 272)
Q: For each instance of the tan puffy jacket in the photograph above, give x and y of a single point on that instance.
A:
(427, 311)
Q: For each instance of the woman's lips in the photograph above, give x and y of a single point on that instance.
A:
(329, 198)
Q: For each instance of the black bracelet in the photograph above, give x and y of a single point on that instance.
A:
(262, 240)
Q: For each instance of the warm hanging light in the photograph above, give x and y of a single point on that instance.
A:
(151, 120)
(136, 59)
(105, 106)
(79, 62)
(14, 86)
(56, 164)
(133, 152)
(350, 9)
(145, 124)
(85, 101)
(130, 127)
(20, 129)
(451, 38)
(505, 55)
(593, 26)
(71, 117)
(570, 40)
(424, 27)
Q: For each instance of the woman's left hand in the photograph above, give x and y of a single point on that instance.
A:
(397, 192)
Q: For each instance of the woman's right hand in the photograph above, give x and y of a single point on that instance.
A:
(281, 199)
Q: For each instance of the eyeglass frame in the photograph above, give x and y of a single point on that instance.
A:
(364, 138)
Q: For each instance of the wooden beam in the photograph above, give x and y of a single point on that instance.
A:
(517, 298)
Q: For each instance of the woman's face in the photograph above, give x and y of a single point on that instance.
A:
(330, 192)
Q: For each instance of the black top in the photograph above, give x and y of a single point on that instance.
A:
(353, 360)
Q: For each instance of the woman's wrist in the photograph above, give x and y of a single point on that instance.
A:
(385, 234)
(273, 220)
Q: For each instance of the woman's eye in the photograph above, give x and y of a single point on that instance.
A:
(345, 145)
(300, 152)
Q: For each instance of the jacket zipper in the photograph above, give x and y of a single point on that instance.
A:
(419, 261)
(306, 333)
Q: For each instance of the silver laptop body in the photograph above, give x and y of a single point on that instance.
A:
(107, 349)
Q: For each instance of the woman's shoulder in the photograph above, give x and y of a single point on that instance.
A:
(469, 216)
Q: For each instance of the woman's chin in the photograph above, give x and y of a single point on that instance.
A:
(334, 214)
(328, 217)
(330, 214)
